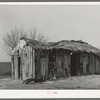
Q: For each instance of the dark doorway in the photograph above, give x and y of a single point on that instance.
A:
(74, 64)
(52, 56)
(19, 67)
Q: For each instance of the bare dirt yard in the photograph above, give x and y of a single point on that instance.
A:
(77, 82)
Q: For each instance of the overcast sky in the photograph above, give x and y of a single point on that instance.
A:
(66, 22)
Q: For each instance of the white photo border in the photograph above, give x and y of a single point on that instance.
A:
(49, 93)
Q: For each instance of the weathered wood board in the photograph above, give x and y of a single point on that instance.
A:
(16, 66)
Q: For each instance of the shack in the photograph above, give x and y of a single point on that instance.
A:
(33, 59)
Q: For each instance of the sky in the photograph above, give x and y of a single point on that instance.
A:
(57, 22)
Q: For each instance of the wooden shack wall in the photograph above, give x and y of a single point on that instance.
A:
(46, 66)
(85, 64)
(90, 63)
(41, 60)
(63, 63)
(16, 66)
(28, 63)
(97, 65)
(34, 65)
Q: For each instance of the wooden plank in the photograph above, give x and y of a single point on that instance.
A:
(25, 63)
(43, 65)
(37, 61)
(91, 65)
(81, 64)
(22, 66)
(46, 65)
(69, 60)
(58, 61)
(29, 62)
(94, 64)
(97, 65)
(28, 59)
(87, 64)
(67, 65)
(60, 64)
(33, 63)
(46, 68)
(84, 64)
(38, 65)
(16, 66)
(12, 66)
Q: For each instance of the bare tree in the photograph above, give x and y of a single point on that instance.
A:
(33, 34)
(12, 38)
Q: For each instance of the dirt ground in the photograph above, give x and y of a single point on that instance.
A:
(78, 82)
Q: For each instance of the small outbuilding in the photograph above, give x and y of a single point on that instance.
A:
(33, 59)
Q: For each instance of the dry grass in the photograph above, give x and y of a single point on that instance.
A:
(79, 82)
